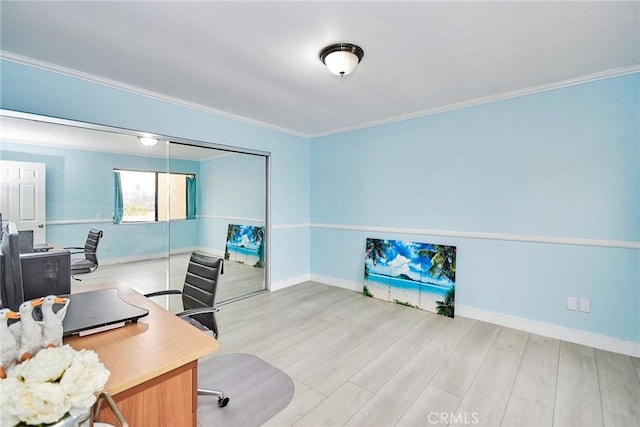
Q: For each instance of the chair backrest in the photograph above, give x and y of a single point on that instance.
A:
(91, 246)
(200, 285)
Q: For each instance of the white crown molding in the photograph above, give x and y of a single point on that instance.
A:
(625, 244)
(20, 59)
(25, 60)
(621, 71)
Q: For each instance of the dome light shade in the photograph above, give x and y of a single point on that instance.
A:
(341, 59)
(149, 142)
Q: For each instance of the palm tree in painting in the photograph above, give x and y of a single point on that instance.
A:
(256, 235)
(232, 234)
(443, 261)
(446, 307)
(376, 249)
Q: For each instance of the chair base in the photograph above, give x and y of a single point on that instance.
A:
(222, 399)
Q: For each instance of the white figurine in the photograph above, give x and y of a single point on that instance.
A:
(8, 343)
(52, 321)
(30, 330)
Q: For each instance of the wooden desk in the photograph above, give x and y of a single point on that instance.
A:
(153, 363)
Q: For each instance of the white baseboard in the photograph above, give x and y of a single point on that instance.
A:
(603, 342)
(590, 339)
(281, 284)
(337, 282)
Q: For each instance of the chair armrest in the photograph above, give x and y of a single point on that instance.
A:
(194, 311)
(167, 292)
(73, 247)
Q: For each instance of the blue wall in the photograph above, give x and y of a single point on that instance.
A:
(235, 187)
(34, 90)
(559, 164)
(79, 187)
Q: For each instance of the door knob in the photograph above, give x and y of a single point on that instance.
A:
(40, 225)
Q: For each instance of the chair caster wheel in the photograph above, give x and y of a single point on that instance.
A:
(223, 401)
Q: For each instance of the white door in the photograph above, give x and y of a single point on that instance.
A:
(22, 196)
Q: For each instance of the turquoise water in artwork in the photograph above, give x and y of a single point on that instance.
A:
(244, 245)
(434, 289)
(410, 273)
(242, 254)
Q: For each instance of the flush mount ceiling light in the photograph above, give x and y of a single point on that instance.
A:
(148, 141)
(341, 58)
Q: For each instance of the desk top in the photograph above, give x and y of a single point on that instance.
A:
(138, 352)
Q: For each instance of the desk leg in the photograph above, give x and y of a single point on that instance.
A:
(168, 400)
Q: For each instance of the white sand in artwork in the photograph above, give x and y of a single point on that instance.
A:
(411, 296)
(378, 290)
(423, 300)
(428, 301)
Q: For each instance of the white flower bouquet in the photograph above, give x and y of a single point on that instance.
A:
(55, 383)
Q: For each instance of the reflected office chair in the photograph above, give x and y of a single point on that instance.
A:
(198, 301)
(89, 262)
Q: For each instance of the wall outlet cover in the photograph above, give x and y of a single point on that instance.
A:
(585, 305)
(572, 303)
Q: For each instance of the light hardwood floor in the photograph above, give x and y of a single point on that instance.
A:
(151, 275)
(358, 361)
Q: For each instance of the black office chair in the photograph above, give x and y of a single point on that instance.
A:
(89, 262)
(198, 301)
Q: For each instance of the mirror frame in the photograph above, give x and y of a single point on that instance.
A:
(193, 142)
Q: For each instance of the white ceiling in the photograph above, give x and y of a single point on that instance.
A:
(258, 61)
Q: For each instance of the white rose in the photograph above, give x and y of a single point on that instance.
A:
(82, 380)
(39, 403)
(47, 365)
(7, 413)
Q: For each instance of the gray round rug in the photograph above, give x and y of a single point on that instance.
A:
(256, 390)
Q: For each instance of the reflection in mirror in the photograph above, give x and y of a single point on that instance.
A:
(155, 204)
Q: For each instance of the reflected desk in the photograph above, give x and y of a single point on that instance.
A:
(153, 363)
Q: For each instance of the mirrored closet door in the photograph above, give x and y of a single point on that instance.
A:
(156, 201)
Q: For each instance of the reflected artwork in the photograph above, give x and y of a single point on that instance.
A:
(245, 245)
(419, 275)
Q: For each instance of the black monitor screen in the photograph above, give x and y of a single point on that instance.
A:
(46, 273)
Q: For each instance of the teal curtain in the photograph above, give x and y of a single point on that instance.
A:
(191, 197)
(118, 203)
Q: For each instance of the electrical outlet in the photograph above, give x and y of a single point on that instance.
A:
(585, 305)
(107, 247)
(99, 217)
(572, 303)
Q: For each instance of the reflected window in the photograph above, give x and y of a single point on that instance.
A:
(156, 196)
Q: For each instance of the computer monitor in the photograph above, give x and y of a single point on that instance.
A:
(31, 275)
(46, 273)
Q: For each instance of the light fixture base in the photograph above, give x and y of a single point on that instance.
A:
(341, 58)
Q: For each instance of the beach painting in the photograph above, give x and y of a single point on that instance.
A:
(420, 275)
(245, 245)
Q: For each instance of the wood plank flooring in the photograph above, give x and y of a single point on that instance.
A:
(358, 361)
(169, 273)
